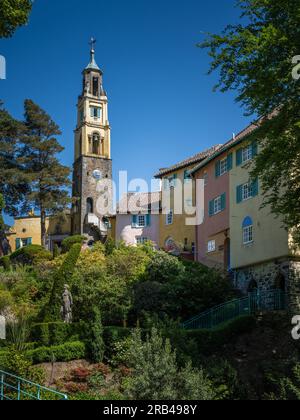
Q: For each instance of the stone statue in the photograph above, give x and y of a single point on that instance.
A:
(66, 309)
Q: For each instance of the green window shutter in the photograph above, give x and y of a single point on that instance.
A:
(229, 162)
(239, 157)
(239, 194)
(18, 243)
(211, 209)
(148, 220)
(134, 221)
(254, 148)
(175, 179)
(223, 201)
(29, 241)
(218, 169)
(255, 188)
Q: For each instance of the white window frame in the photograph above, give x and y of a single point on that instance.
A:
(217, 205)
(95, 112)
(169, 218)
(141, 221)
(248, 237)
(247, 191)
(247, 154)
(223, 166)
(211, 246)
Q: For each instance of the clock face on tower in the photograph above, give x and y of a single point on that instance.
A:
(97, 174)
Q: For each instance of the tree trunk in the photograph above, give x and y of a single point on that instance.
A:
(43, 227)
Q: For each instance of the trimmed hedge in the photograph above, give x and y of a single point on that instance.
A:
(29, 255)
(54, 333)
(209, 341)
(70, 241)
(63, 353)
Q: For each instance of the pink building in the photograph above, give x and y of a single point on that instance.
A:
(137, 219)
(213, 235)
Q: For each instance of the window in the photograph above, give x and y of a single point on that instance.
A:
(95, 86)
(247, 231)
(247, 191)
(96, 144)
(81, 116)
(193, 248)
(89, 206)
(20, 243)
(95, 112)
(141, 221)
(247, 154)
(223, 167)
(205, 177)
(141, 240)
(169, 218)
(217, 205)
(211, 246)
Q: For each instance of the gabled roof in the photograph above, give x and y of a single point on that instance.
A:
(227, 146)
(199, 157)
(139, 203)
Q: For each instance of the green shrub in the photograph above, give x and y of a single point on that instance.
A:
(61, 277)
(63, 353)
(29, 255)
(5, 263)
(55, 333)
(55, 251)
(112, 336)
(70, 241)
(94, 336)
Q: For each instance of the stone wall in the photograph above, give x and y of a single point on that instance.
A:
(284, 275)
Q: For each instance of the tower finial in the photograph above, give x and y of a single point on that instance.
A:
(92, 43)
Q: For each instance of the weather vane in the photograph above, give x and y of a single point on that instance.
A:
(93, 43)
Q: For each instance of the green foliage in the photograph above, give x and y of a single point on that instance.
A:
(5, 263)
(6, 300)
(55, 251)
(70, 241)
(15, 362)
(113, 338)
(30, 255)
(48, 178)
(164, 268)
(13, 13)
(155, 373)
(62, 353)
(287, 388)
(254, 58)
(54, 333)
(94, 336)
(63, 275)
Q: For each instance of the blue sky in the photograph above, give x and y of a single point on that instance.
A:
(161, 104)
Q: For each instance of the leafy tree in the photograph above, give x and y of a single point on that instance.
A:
(156, 375)
(254, 58)
(13, 13)
(48, 178)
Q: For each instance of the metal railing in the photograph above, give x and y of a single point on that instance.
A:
(268, 301)
(14, 388)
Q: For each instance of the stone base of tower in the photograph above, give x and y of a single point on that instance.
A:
(87, 176)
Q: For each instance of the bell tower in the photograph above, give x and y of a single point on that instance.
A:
(92, 163)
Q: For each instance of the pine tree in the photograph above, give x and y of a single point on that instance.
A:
(48, 179)
(13, 185)
(13, 13)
